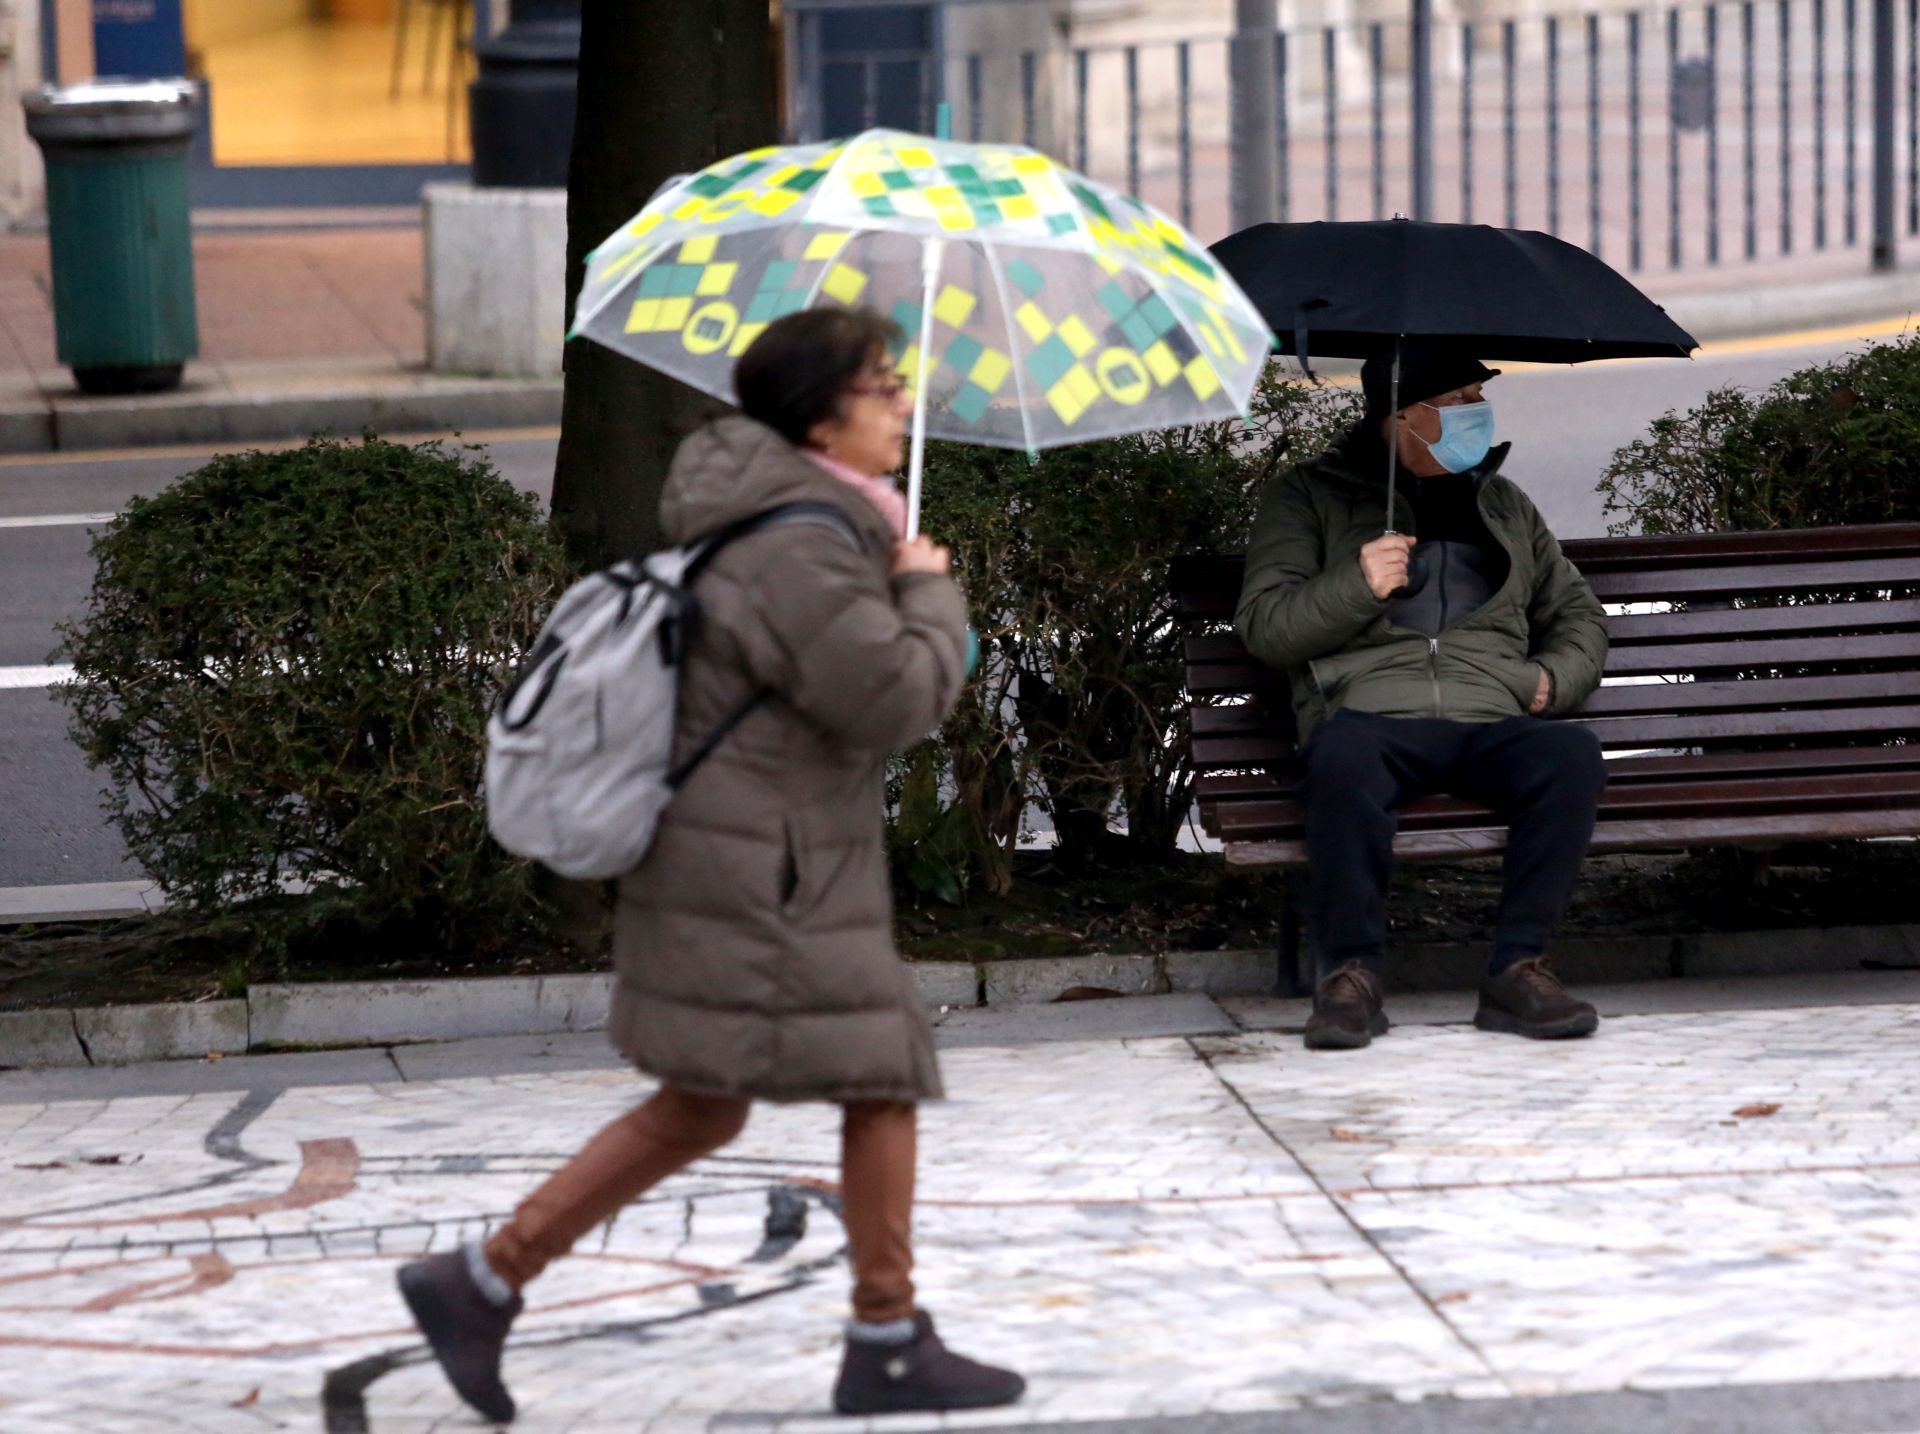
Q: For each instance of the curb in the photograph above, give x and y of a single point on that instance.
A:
(373, 1013)
(345, 401)
(1823, 304)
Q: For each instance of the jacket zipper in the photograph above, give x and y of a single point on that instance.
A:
(1433, 660)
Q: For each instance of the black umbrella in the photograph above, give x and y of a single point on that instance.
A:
(1349, 290)
(1355, 290)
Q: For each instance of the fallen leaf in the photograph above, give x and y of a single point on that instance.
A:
(220, 1056)
(1352, 1137)
(44, 1165)
(1748, 1112)
(1453, 1298)
(1088, 993)
(249, 1399)
(105, 1159)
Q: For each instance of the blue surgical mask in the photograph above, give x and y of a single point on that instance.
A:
(1466, 434)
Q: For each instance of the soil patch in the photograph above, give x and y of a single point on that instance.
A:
(1187, 904)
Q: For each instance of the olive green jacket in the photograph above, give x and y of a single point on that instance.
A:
(1306, 610)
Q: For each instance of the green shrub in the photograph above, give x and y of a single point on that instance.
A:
(1832, 444)
(284, 669)
(1079, 701)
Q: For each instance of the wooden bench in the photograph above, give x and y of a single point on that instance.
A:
(1726, 723)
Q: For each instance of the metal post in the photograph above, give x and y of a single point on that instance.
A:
(1377, 48)
(1029, 63)
(1080, 110)
(1466, 122)
(1883, 134)
(1183, 70)
(1420, 59)
(1256, 126)
(1636, 241)
(1133, 119)
(1330, 92)
(1553, 125)
(1510, 176)
(1284, 138)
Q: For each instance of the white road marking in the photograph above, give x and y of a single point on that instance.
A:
(58, 520)
(27, 677)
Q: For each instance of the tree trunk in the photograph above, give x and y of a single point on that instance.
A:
(666, 87)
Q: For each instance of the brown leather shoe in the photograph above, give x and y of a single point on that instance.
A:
(1347, 1010)
(467, 1330)
(919, 1374)
(1527, 999)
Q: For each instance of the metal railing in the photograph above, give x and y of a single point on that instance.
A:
(1663, 136)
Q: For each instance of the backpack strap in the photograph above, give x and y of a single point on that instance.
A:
(825, 515)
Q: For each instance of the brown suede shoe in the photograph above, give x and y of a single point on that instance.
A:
(920, 1374)
(467, 1330)
(1527, 999)
(1347, 1010)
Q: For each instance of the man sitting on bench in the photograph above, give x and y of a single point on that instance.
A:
(1419, 661)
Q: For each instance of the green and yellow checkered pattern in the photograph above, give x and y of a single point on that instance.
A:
(1062, 307)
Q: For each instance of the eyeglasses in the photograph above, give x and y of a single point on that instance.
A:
(889, 387)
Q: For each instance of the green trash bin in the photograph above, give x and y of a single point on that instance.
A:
(119, 228)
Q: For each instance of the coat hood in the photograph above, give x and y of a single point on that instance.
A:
(736, 466)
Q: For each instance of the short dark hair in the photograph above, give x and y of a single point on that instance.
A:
(793, 375)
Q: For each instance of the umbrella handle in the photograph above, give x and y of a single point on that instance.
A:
(917, 452)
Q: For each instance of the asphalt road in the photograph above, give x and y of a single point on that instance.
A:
(1564, 424)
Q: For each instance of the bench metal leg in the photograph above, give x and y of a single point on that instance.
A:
(1296, 979)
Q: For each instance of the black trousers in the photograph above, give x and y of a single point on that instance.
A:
(1545, 778)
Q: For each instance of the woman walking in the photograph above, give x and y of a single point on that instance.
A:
(753, 947)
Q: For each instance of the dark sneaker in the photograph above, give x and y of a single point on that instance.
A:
(466, 1329)
(1347, 1010)
(1527, 999)
(920, 1374)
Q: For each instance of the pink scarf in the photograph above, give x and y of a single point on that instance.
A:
(880, 492)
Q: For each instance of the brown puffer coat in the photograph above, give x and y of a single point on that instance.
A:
(753, 947)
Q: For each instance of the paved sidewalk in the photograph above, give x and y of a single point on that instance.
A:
(300, 329)
(1448, 1231)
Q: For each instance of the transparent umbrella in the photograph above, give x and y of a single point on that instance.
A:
(1040, 307)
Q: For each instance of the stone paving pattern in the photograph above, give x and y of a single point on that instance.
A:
(1152, 1227)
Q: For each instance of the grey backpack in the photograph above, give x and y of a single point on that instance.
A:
(580, 744)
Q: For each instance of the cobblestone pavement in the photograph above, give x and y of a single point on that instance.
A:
(1151, 1229)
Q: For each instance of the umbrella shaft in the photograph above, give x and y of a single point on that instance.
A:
(1393, 433)
(923, 377)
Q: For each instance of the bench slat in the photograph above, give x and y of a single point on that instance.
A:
(1796, 619)
(1217, 787)
(1748, 579)
(1768, 831)
(1259, 748)
(1214, 592)
(1704, 728)
(1213, 752)
(1674, 549)
(1679, 657)
(1801, 693)
(1817, 697)
(1238, 821)
(1680, 642)
(1247, 677)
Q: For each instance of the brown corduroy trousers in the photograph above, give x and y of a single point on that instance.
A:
(673, 1129)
